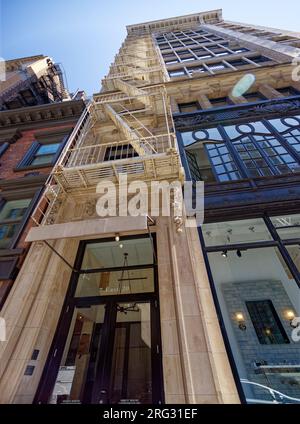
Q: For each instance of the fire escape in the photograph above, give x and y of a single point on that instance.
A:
(133, 110)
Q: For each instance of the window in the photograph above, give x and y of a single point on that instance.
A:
(266, 323)
(3, 148)
(254, 97)
(221, 101)
(259, 59)
(246, 150)
(196, 70)
(222, 162)
(187, 58)
(41, 154)
(123, 151)
(171, 61)
(238, 63)
(238, 50)
(261, 153)
(188, 107)
(288, 91)
(177, 73)
(11, 216)
(289, 128)
(216, 66)
(44, 154)
(257, 294)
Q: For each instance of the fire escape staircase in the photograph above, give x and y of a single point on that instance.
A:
(85, 160)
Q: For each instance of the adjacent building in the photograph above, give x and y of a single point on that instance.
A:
(149, 309)
(37, 114)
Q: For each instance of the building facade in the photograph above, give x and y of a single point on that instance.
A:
(37, 114)
(144, 309)
(31, 81)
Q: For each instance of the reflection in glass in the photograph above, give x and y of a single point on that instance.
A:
(77, 371)
(294, 252)
(131, 378)
(116, 282)
(110, 255)
(287, 226)
(231, 232)
(266, 356)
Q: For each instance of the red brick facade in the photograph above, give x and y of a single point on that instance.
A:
(16, 151)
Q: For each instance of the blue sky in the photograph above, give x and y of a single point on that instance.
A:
(84, 35)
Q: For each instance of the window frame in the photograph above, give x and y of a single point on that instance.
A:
(231, 144)
(275, 242)
(21, 223)
(26, 161)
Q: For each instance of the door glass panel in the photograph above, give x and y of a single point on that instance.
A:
(77, 371)
(131, 375)
(111, 254)
(116, 282)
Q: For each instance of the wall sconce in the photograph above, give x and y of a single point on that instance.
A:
(290, 315)
(117, 237)
(240, 320)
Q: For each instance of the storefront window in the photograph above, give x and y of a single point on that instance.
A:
(287, 226)
(259, 298)
(232, 232)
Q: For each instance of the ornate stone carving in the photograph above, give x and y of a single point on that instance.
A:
(90, 208)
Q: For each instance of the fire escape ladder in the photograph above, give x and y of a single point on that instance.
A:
(125, 129)
(132, 91)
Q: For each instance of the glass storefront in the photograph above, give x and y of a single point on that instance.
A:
(256, 278)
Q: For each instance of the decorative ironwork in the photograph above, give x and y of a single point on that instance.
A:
(267, 107)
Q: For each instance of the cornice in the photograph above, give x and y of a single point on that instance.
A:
(10, 136)
(24, 183)
(41, 113)
(177, 22)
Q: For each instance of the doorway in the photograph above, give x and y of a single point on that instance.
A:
(107, 347)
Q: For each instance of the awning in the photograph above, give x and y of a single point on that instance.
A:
(87, 228)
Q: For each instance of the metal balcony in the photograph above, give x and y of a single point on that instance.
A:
(86, 166)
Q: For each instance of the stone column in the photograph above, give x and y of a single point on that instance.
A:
(31, 313)
(195, 364)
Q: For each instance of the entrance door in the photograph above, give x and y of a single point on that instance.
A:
(125, 368)
(111, 356)
(107, 345)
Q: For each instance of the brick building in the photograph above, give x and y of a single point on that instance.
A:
(34, 125)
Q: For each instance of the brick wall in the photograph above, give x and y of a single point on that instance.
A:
(16, 151)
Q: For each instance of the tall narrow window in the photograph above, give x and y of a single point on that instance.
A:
(265, 320)
(11, 216)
